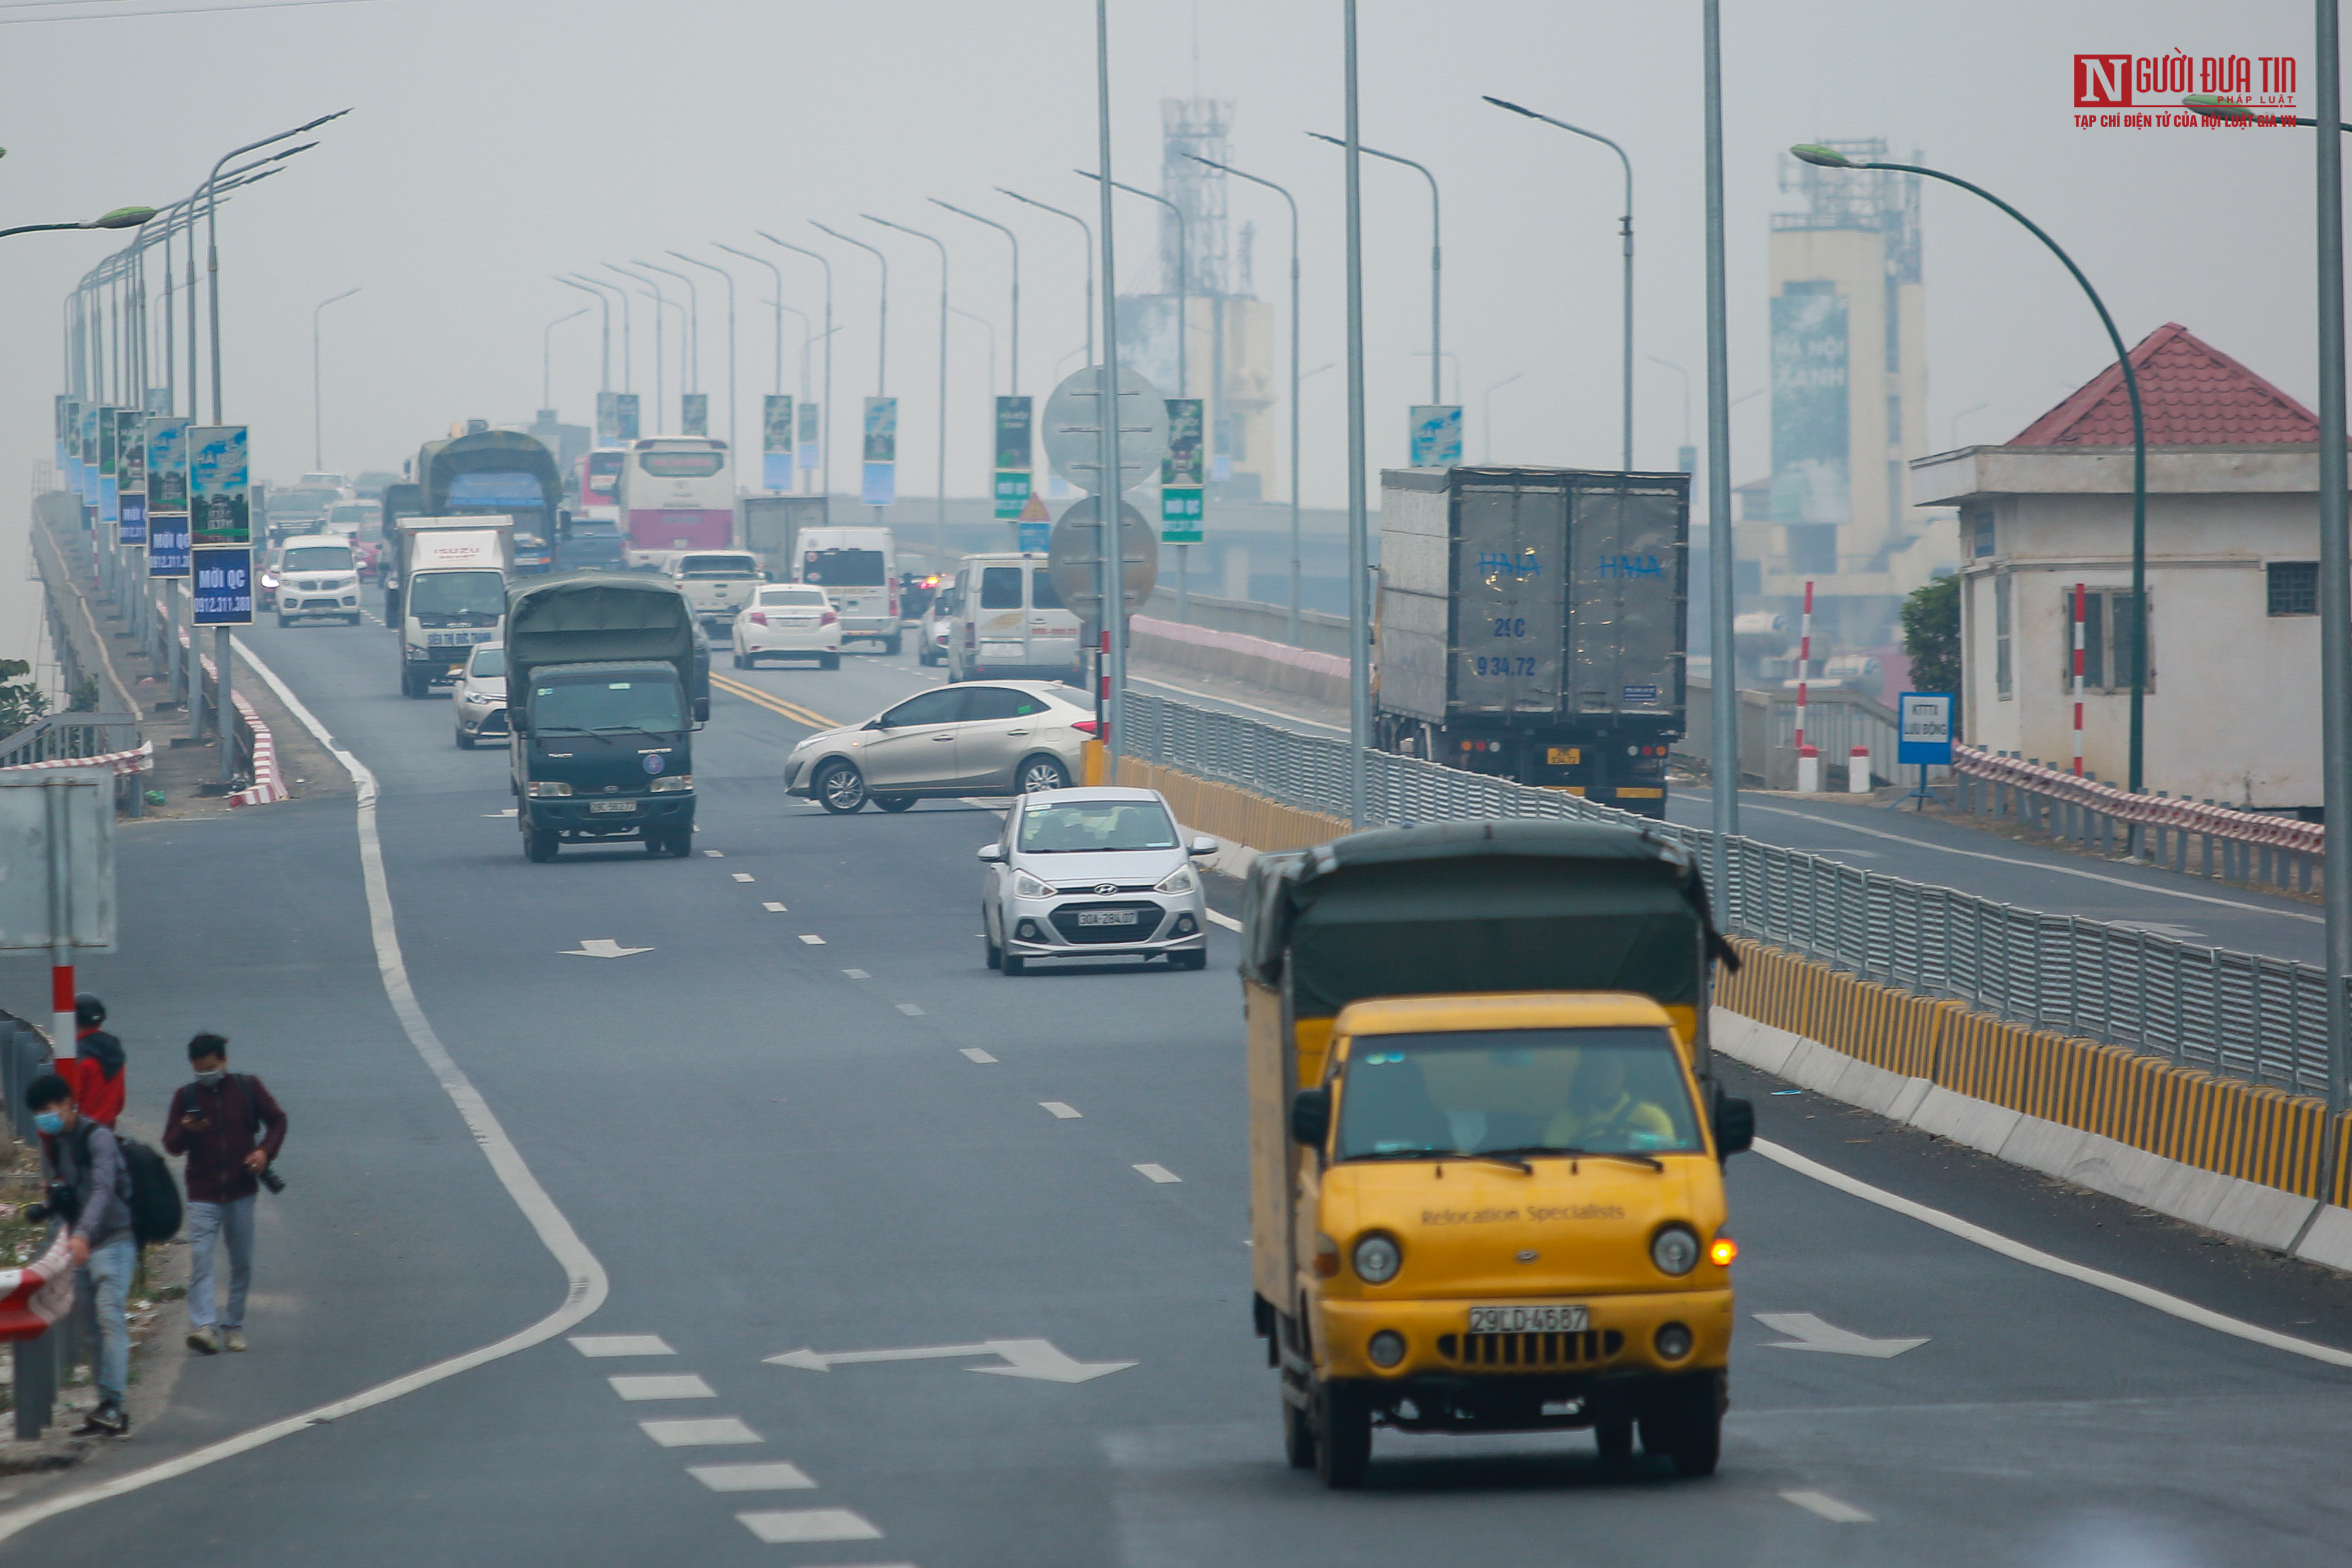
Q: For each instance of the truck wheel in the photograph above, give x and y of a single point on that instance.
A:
(681, 842)
(408, 685)
(539, 845)
(1694, 1440)
(1343, 1436)
(840, 788)
(1297, 1437)
(894, 644)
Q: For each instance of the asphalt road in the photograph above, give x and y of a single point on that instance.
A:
(772, 1144)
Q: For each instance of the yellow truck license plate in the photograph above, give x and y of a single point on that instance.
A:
(1564, 756)
(1523, 1318)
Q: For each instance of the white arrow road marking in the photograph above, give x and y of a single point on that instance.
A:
(1033, 1358)
(1807, 1332)
(1828, 1507)
(601, 947)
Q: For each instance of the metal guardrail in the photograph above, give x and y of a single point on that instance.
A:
(2249, 1017)
(63, 736)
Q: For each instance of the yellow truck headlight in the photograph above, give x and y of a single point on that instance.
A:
(1377, 1258)
(1674, 1250)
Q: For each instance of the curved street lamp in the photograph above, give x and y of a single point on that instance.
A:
(1830, 158)
(120, 218)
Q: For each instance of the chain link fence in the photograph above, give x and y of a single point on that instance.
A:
(2249, 1017)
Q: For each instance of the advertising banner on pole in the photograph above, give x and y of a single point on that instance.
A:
(110, 447)
(694, 413)
(1182, 475)
(61, 410)
(167, 545)
(167, 497)
(608, 419)
(224, 587)
(220, 491)
(1014, 460)
(810, 452)
(776, 443)
(1436, 435)
(130, 478)
(625, 406)
(159, 399)
(881, 479)
(87, 477)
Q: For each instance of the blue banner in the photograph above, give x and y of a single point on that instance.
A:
(132, 519)
(167, 545)
(881, 486)
(109, 499)
(775, 470)
(223, 587)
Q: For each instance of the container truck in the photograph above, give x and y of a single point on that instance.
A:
(772, 525)
(451, 595)
(601, 675)
(1532, 624)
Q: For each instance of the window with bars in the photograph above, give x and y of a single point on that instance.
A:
(2293, 587)
(2000, 617)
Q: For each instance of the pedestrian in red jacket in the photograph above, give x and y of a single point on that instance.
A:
(95, 1071)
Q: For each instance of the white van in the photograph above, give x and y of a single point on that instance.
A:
(1006, 622)
(858, 570)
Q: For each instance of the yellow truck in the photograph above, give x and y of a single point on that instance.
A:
(1486, 1141)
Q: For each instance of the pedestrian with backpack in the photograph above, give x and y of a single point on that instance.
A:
(230, 1129)
(89, 1191)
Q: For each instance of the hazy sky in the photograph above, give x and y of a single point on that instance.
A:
(495, 143)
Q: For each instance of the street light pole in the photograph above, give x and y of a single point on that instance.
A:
(1110, 531)
(1828, 159)
(1292, 203)
(690, 363)
(1626, 225)
(212, 262)
(777, 273)
(546, 358)
(1723, 679)
(1360, 608)
(318, 383)
(628, 329)
(734, 430)
(1486, 415)
(1089, 269)
(1015, 241)
(1436, 257)
(826, 434)
(881, 324)
(604, 375)
(659, 388)
(939, 519)
(1184, 279)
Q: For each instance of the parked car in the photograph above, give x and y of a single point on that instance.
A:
(788, 620)
(480, 697)
(1093, 873)
(997, 737)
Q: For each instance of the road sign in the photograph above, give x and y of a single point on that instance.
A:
(1436, 438)
(224, 580)
(56, 822)
(694, 413)
(1015, 448)
(1182, 475)
(1073, 429)
(1033, 1358)
(1071, 554)
(1924, 730)
(776, 442)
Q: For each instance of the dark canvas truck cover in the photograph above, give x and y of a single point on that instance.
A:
(1537, 594)
(1479, 907)
(594, 618)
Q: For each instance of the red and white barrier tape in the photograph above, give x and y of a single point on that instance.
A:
(2154, 810)
(37, 1294)
(269, 783)
(140, 759)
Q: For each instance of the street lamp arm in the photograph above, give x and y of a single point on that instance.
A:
(2215, 108)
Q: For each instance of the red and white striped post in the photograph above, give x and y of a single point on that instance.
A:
(1809, 758)
(2079, 597)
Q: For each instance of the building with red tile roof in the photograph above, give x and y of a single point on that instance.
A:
(2191, 393)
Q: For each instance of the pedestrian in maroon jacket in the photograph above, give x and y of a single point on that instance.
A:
(230, 1128)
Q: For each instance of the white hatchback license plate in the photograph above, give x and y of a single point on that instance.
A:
(611, 805)
(1107, 918)
(1528, 1320)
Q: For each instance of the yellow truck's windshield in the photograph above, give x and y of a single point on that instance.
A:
(1520, 1092)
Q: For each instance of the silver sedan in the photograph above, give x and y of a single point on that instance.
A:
(1093, 873)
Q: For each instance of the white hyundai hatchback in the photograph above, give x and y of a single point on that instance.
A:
(1093, 873)
(788, 620)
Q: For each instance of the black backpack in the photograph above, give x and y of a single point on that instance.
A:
(155, 1207)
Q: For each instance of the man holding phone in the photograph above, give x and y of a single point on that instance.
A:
(230, 1129)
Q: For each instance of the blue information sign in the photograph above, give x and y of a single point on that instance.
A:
(1925, 720)
(167, 545)
(131, 511)
(223, 587)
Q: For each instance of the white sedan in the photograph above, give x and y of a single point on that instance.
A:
(480, 697)
(1096, 872)
(788, 620)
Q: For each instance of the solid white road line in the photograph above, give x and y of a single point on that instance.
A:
(621, 1344)
(775, 909)
(813, 941)
(1061, 1111)
(2130, 1290)
(788, 1526)
(680, 1386)
(777, 1477)
(973, 1053)
(587, 1285)
(716, 1432)
(1158, 1173)
(1227, 921)
(1828, 1507)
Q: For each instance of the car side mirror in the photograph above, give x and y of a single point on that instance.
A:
(992, 854)
(1735, 1127)
(702, 710)
(1310, 1117)
(1202, 845)
(875, 723)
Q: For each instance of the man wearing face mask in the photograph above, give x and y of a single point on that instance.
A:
(87, 1163)
(230, 1129)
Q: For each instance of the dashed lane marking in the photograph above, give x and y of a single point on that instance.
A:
(1227, 921)
(715, 1432)
(1063, 1112)
(777, 1477)
(973, 1053)
(1828, 1507)
(680, 1386)
(621, 1344)
(909, 1009)
(774, 704)
(785, 1527)
(858, 974)
(813, 940)
(774, 908)
(715, 854)
(742, 876)
(1158, 1173)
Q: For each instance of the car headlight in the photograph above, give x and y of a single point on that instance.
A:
(1027, 887)
(1377, 1258)
(479, 697)
(1674, 1250)
(670, 784)
(1177, 881)
(545, 787)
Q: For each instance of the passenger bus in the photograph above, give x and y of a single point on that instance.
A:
(494, 472)
(599, 483)
(677, 493)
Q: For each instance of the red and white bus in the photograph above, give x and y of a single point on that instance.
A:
(599, 482)
(677, 493)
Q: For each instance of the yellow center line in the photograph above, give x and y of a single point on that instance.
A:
(772, 703)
